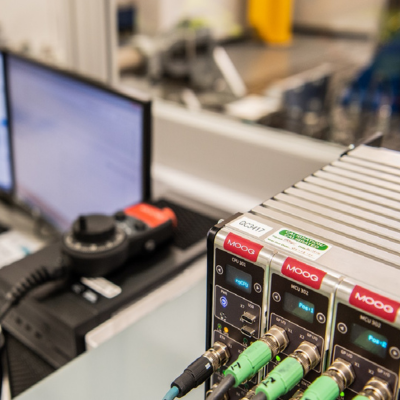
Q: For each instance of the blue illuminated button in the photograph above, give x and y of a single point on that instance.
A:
(224, 302)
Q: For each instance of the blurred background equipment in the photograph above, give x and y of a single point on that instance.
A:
(272, 20)
(370, 101)
(208, 55)
(186, 58)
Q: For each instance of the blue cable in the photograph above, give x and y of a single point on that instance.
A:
(172, 393)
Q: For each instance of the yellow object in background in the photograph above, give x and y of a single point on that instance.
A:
(272, 19)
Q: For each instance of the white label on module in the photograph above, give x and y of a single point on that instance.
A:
(250, 226)
(297, 243)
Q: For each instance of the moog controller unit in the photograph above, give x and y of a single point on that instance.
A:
(312, 278)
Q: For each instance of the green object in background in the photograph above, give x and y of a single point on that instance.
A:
(249, 362)
(323, 388)
(281, 379)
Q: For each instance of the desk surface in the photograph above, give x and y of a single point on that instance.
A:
(139, 362)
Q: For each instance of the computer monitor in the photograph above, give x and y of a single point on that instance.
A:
(78, 147)
(6, 178)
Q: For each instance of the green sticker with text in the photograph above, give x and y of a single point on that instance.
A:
(303, 240)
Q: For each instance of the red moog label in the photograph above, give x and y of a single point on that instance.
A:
(374, 303)
(242, 247)
(303, 273)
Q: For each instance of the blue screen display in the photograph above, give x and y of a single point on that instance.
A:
(379, 342)
(298, 307)
(305, 307)
(242, 283)
(239, 279)
(369, 340)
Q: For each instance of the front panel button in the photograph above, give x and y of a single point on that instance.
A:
(321, 318)
(90, 296)
(394, 353)
(257, 287)
(224, 301)
(342, 328)
(219, 270)
(276, 296)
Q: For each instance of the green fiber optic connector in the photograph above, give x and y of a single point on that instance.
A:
(286, 375)
(257, 355)
(332, 382)
(323, 388)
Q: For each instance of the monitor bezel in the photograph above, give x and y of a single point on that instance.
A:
(8, 196)
(139, 98)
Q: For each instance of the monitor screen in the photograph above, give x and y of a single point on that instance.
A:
(5, 151)
(78, 147)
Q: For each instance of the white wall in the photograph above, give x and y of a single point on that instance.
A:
(42, 25)
(358, 16)
(78, 34)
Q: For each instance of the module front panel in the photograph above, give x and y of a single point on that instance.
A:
(240, 273)
(366, 334)
(301, 301)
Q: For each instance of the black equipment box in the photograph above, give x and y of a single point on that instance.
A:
(47, 329)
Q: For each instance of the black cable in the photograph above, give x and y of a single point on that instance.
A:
(37, 278)
(259, 396)
(24, 286)
(223, 387)
(200, 370)
(193, 376)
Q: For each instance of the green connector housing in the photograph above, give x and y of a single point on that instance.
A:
(283, 378)
(323, 388)
(250, 362)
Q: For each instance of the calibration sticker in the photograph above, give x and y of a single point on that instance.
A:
(250, 226)
(299, 244)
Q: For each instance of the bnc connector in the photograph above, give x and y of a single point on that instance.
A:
(341, 372)
(277, 339)
(307, 355)
(218, 355)
(286, 375)
(332, 382)
(375, 389)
